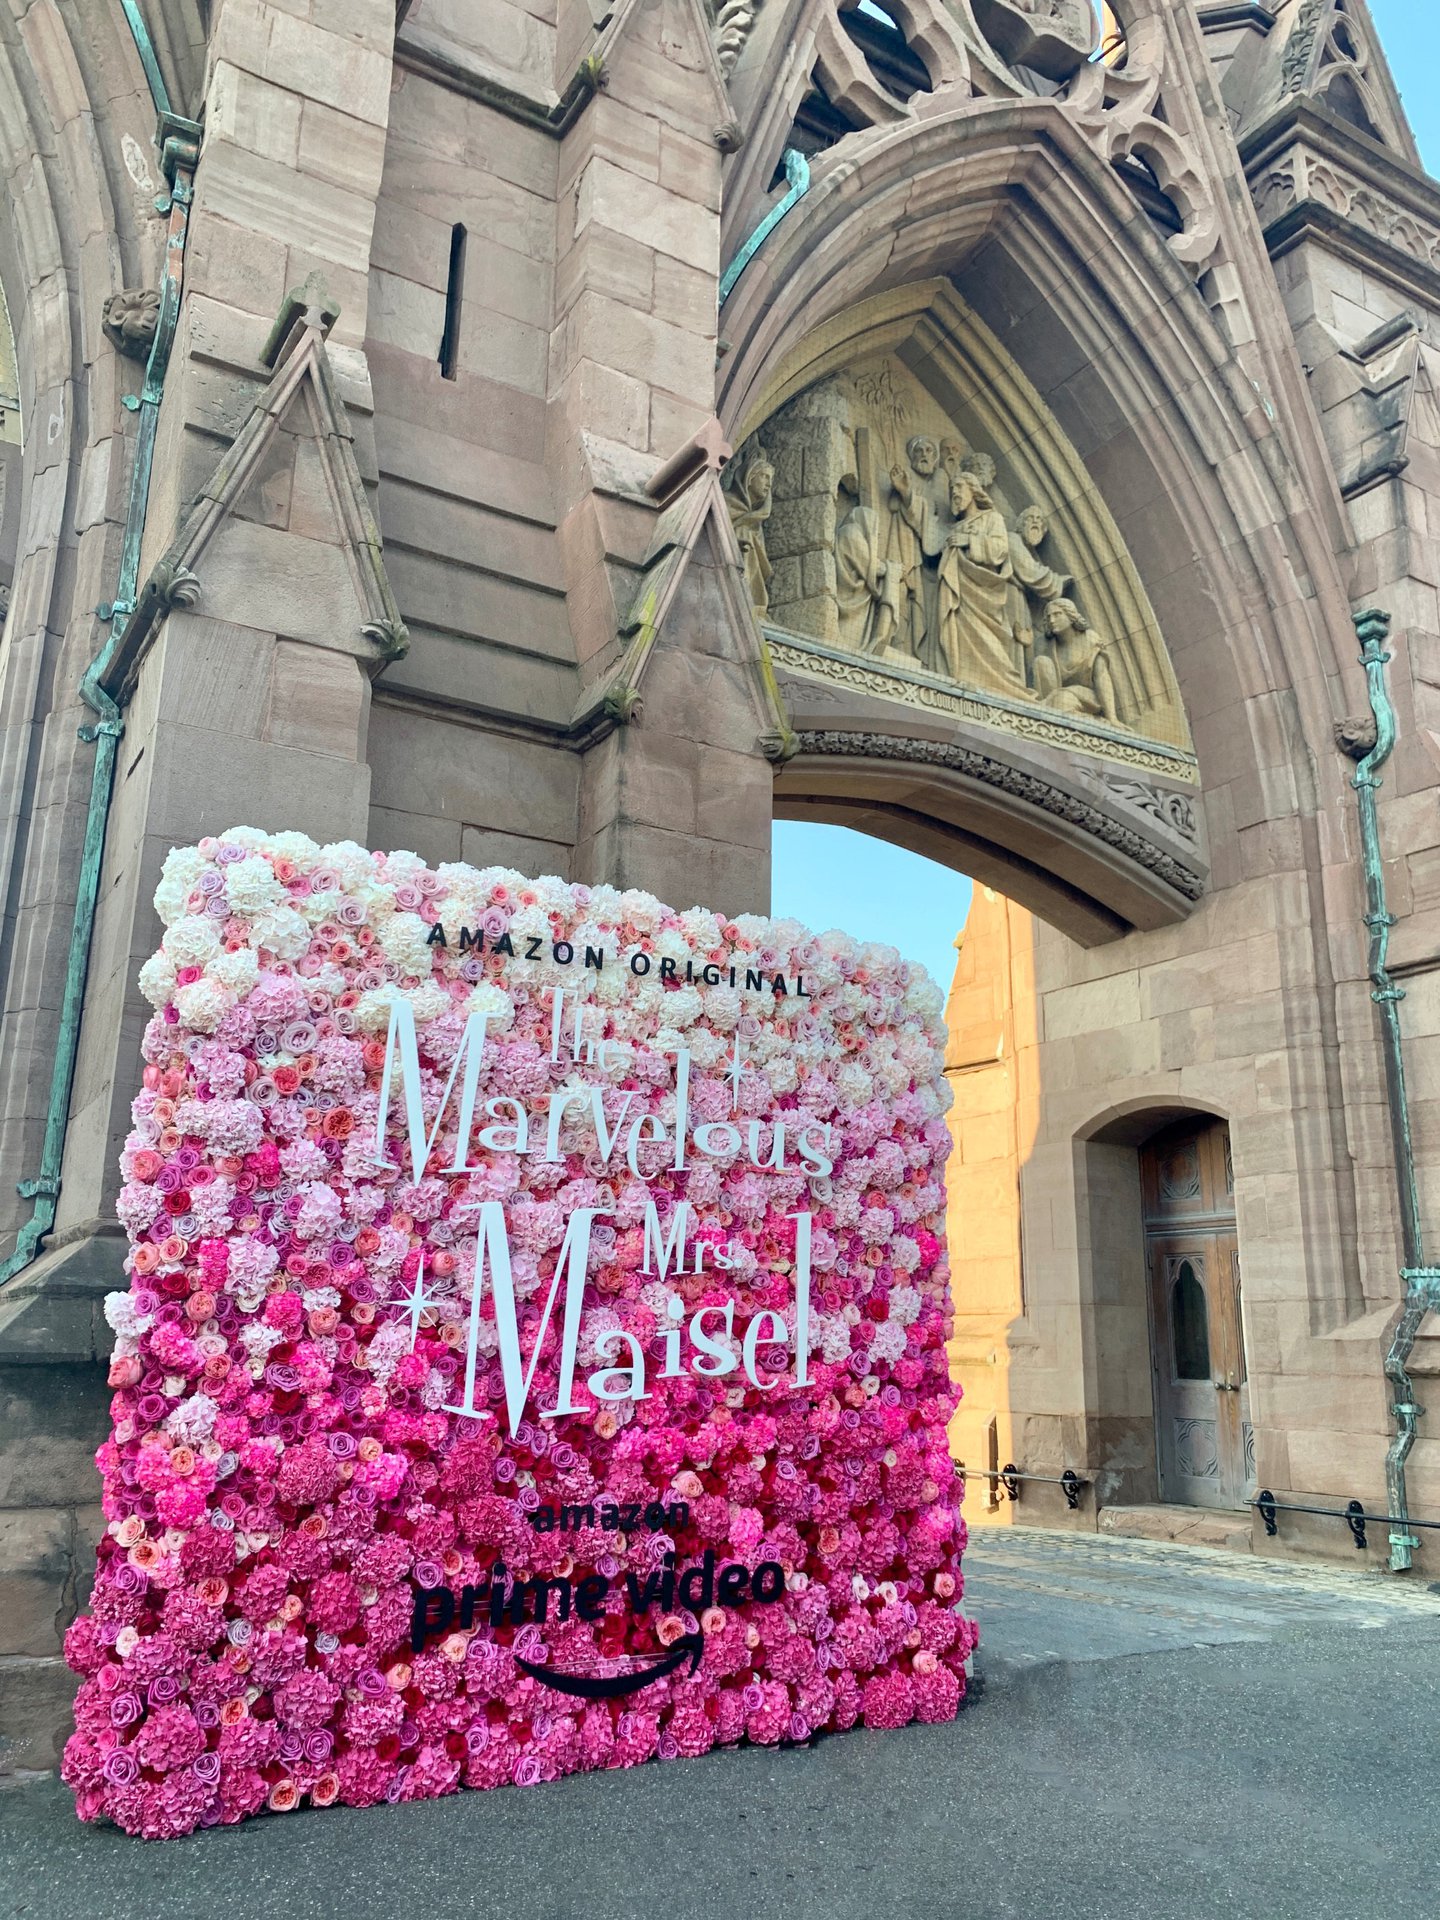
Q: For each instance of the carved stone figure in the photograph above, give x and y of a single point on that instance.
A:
(1073, 673)
(917, 534)
(867, 583)
(130, 319)
(981, 469)
(750, 498)
(1034, 581)
(976, 573)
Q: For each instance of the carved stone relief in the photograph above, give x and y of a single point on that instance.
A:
(1051, 37)
(870, 521)
(130, 319)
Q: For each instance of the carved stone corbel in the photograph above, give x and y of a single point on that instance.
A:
(130, 318)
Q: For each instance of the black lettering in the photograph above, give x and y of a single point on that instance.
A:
(424, 1621)
(497, 1592)
(679, 1515)
(642, 1602)
(689, 973)
(667, 969)
(754, 981)
(698, 1601)
(436, 936)
(733, 1582)
(469, 939)
(711, 976)
(629, 1517)
(532, 948)
(595, 957)
(468, 1597)
(590, 1596)
(543, 1519)
(667, 1582)
(655, 1516)
(504, 945)
(732, 976)
(777, 986)
(800, 992)
(609, 1517)
(640, 963)
(539, 1591)
(572, 1519)
(768, 1580)
(562, 960)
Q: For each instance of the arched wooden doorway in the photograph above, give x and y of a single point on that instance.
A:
(1204, 1440)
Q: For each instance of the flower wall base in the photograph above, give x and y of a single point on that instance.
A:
(534, 1357)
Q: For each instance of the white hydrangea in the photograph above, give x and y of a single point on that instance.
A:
(372, 1010)
(298, 848)
(252, 839)
(282, 931)
(429, 1001)
(157, 979)
(490, 998)
(640, 909)
(252, 886)
(352, 862)
(203, 1004)
(192, 940)
(683, 1007)
(193, 1421)
(905, 1304)
(403, 941)
(887, 1342)
(237, 971)
(701, 928)
(124, 1318)
(723, 1007)
(183, 867)
(257, 1339)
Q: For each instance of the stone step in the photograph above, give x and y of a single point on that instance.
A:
(1187, 1526)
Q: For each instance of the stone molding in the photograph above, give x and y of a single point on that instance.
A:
(1310, 173)
(793, 654)
(1016, 784)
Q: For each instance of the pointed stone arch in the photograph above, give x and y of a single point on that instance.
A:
(1011, 206)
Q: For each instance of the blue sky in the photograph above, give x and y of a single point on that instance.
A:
(832, 877)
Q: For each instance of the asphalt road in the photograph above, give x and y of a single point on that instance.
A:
(1157, 1732)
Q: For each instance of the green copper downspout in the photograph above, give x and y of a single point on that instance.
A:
(179, 141)
(1422, 1283)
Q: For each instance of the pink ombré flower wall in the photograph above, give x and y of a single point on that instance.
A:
(315, 1451)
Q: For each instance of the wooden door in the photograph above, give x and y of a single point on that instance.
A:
(1202, 1402)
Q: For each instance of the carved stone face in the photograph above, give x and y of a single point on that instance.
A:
(923, 454)
(1060, 617)
(759, 481)
(962, 495)
(1033, 526)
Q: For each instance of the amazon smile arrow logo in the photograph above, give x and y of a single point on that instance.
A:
(614, 1686)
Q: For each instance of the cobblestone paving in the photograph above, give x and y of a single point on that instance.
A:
(1043, 1595)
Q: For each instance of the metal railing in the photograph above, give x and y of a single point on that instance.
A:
(1011, 1479)
(1354, 1516)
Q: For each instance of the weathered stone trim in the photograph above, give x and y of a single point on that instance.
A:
(828, 743)
(1068, 735)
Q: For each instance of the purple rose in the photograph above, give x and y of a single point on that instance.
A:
(120, 1767)
(125, 1709)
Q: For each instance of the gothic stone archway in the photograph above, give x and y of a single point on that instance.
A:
(1011, 711)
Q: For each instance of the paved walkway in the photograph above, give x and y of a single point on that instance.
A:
(1159, 1733)
(1044, 1596)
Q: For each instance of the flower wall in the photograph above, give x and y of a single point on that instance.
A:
(331, 1531)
